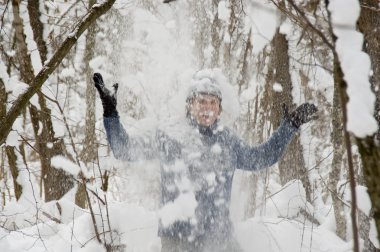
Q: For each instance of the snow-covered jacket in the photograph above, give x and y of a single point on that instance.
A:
(201, 161)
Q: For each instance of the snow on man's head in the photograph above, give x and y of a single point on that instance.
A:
(204, 82)
(179, 103)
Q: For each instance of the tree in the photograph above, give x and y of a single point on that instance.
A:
(292, 165)
(336, 166)
(369, 148)
(89, 152)
(36, 83)
(56, 182)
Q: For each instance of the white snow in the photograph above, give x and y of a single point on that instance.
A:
(12, 139)
(66, 165)
(182, 208)
(67, 72)
(360, 107)
(287, 201)
(223, 11)
(277, 87)
(216, 149)
(171, 24)
(263, 20)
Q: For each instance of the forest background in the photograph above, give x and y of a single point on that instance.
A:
(61, 188)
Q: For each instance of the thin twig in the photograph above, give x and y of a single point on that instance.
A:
(317, 31)
(83, 182)
(350, 169)
(370, 8)
(305, 19)
(105, 199)
(108, 218)
(2, 16)
(100, 210)
(22, 152)
(73, 145)
(72, 232)
(67, 128)
(56, 220)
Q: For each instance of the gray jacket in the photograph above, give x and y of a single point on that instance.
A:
(208, 158)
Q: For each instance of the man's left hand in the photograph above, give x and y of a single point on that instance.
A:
(302, 114)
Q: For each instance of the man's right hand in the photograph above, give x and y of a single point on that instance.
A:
(109, 101)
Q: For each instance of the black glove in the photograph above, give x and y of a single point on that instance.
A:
(108, 100)
(303, 114)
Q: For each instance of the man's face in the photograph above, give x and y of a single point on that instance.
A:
(205, 109)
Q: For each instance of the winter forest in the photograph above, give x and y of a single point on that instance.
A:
(61, 187)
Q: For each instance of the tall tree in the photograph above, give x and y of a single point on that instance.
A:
(200, 31)
(89, 144)
(89, 152)
(292, 165)
(9, 150)
(369, 23)
(216, 35)
(336, 166)
(56, 182)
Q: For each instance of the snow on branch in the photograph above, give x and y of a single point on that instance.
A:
(356, 66)
(95, 12)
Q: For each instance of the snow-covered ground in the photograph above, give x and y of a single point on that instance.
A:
(281, 228)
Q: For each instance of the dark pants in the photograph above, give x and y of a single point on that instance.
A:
(175, 244)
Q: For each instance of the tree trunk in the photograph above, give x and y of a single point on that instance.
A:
(89, 145)
(12, 161)
(370, 156)
(56, 182)
(37, 28)
(3, 100)
(341, 85)
(251, 120)
(292, 165)
(201, 31)
(368, 24)
(216, 35)
(89, 152)
(243, 75)
(232, 27)
(10, 150)
(23, 56)
(252, 183)
(334, 176)
(364, 230)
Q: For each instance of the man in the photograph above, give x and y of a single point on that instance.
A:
(199, 162)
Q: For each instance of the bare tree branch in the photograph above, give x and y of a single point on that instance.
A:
(316, 30)
(22, 101)
(306, 21)
(2, 16)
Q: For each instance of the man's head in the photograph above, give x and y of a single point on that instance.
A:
(204, 100)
